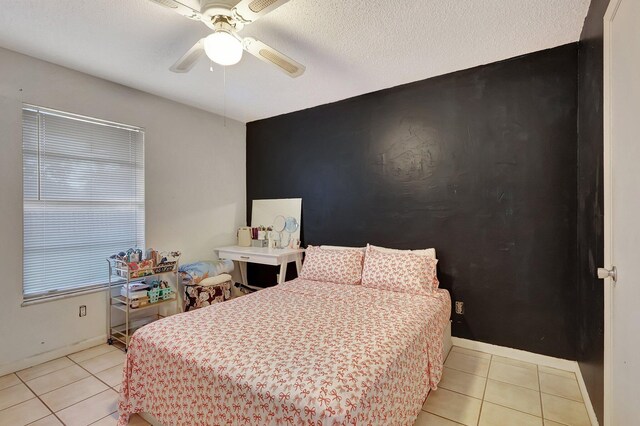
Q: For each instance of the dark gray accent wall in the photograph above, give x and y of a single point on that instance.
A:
(590, 349)
(480, 164)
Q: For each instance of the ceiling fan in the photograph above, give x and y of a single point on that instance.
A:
(224, 46)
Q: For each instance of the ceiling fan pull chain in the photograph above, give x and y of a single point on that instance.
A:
(224, 95)
(211, 66)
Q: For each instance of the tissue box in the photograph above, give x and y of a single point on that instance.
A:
(136, 299)
(259, 243)
(133, 294)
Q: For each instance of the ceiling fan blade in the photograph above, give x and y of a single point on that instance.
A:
(184, 7)
(190, 58)
(250, 10)
(272, 56)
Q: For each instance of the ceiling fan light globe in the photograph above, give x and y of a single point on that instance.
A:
(223, 48)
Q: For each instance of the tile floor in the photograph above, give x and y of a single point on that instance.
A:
(76, 390)
(489, 390)
(476, 389)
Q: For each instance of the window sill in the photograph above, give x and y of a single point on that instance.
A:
(54, 297)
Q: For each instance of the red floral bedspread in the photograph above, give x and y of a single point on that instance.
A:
(303, 352)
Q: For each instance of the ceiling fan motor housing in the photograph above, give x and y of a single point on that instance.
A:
(212, 8)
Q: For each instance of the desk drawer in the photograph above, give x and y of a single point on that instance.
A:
(249, 258)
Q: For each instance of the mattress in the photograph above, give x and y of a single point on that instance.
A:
(303, 352)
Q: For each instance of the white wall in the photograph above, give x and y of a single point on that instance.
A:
(195, 193)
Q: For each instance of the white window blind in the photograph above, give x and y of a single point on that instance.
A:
(83, 199)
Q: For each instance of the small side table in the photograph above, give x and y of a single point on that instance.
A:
(263, 256)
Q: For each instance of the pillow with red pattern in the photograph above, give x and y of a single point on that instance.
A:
(429, 252)
(336, 266)
(404, 272)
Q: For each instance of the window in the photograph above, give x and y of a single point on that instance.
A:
(83, 185)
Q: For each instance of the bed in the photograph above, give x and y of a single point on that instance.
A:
(303, 352)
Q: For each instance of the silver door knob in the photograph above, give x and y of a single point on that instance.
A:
(604, 273)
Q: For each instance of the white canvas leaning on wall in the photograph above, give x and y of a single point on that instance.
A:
(263, 212)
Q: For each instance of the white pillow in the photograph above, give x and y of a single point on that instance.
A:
(218, 279)
(429, 252)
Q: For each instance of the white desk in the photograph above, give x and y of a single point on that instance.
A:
(263, 256)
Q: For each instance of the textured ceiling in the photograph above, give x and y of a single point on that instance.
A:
(350, 47)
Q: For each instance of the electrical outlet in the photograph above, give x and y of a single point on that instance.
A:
(460, 308)
(83, 311)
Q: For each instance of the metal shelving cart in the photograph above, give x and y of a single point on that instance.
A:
(121, 274)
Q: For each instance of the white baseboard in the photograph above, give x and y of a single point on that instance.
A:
(547, 361)
(14, 366)
(520, 355)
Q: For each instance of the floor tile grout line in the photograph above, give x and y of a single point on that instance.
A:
(484, 392)
(574, 378)
(441, 417)
(496, 403)
(102, 418)
(512, 384)
(91, 396)
(501, 405)
(511, 408)
(81, 400)
(437, 415)
(525, 362)
(468, 354)
(483, 400)
(58, 388)
(9, 387)
(540, 386)
(65, 356)
(519, 363)
(472, 356)
(563, 397)
(102, 381)
(495, 380)
(113, 348)
(460, 393)
(517, 366)
(42, 402)
(54, 413)
(457, 369)
(76, 403)
(84, 399)
(42, 375)
(18, 403)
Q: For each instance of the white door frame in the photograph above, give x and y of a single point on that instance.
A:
(608, 283)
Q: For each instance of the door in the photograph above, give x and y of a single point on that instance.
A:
(622, 213)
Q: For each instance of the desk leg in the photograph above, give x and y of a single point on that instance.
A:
(243, 272)
(180, 295)
(299, 264)
(283, 272)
